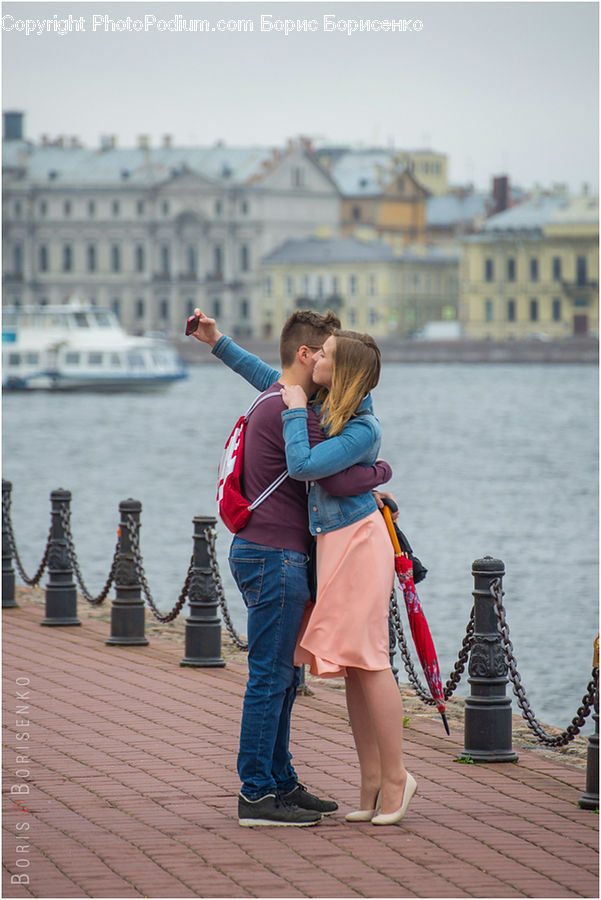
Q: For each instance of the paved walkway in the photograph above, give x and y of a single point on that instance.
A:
(123, 784)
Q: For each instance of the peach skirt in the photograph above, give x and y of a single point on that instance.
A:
(348, 623)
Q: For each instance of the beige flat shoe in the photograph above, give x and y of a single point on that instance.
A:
(391, 818)
(364, 815)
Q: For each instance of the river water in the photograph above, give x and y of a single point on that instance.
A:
(498, 460)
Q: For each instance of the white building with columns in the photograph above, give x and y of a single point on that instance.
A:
(154, 231)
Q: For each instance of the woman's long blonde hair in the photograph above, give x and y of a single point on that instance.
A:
(355, 372)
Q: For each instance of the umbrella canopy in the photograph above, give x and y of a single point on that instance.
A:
(420, 630)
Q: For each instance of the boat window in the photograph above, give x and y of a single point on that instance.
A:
(72, 359)
(160, 358)
(14, 359)
(103, 319)
(9, 319)
(136, 360)
(116, 361)
(31, 358)
(95, 359)
(81, 320)
(48, 320)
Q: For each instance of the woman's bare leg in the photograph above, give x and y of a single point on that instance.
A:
(365, 740)
(383, 716)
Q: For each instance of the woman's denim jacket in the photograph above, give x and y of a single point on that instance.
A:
(359, 442)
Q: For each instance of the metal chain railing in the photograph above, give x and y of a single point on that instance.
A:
(588, 700)
(132, 529)
(495, 587)
(65, 516)
(455, 676)
(13, 545)
(240, 643)
(558, 740)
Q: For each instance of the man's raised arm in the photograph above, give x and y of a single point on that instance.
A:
(246, 364)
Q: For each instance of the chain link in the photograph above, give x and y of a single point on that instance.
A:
(65, 517)
(211, 535)
(132, 529)
(458, 668)
(462, 658)
(588, 701)
(13, 545)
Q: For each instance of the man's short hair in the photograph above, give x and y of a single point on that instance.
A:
(305, 327)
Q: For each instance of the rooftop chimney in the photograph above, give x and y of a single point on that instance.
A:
(13, 126)
(144, 142)
(500, 194)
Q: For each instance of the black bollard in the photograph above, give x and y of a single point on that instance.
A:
(61, 590)
(590, 798)
(487, 724)
(8, 573)
(203, 626)
(127, 609)
(302, 688)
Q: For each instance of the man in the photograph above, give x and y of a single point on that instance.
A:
(268, 559)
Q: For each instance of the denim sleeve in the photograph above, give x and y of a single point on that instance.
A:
(351, 446)
(356, 479)
(246, 364)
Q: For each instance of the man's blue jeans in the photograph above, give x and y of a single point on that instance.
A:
(275, 590)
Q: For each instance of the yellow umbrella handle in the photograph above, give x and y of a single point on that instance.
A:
(390, 526)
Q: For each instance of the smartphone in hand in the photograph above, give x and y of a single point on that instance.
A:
(191, 324)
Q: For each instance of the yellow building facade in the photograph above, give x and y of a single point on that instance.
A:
(430, 169)
(533, 272)
(369, 287)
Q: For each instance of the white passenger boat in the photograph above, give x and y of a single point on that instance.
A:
(77, 347)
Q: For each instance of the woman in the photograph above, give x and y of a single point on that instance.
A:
(346, 631)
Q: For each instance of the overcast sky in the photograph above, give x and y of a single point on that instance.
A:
(499, 87)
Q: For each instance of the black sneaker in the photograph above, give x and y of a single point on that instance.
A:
(300, 796)
(272, 810)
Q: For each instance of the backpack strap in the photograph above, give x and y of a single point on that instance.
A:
(258, 400)
(281, 478)
(269, 490)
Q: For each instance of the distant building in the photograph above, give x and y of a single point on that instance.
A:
(452, 215)
(429, 288)
(380, 197)
(369, 286)
(154, 231)
(428, 168)
(533, 271)
(463, 210)
(359, 280)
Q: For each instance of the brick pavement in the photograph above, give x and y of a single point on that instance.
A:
(132, 785)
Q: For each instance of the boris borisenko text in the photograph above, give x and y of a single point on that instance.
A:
(331, 24)
(19, 790)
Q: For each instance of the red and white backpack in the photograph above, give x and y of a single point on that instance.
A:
(234, 508)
